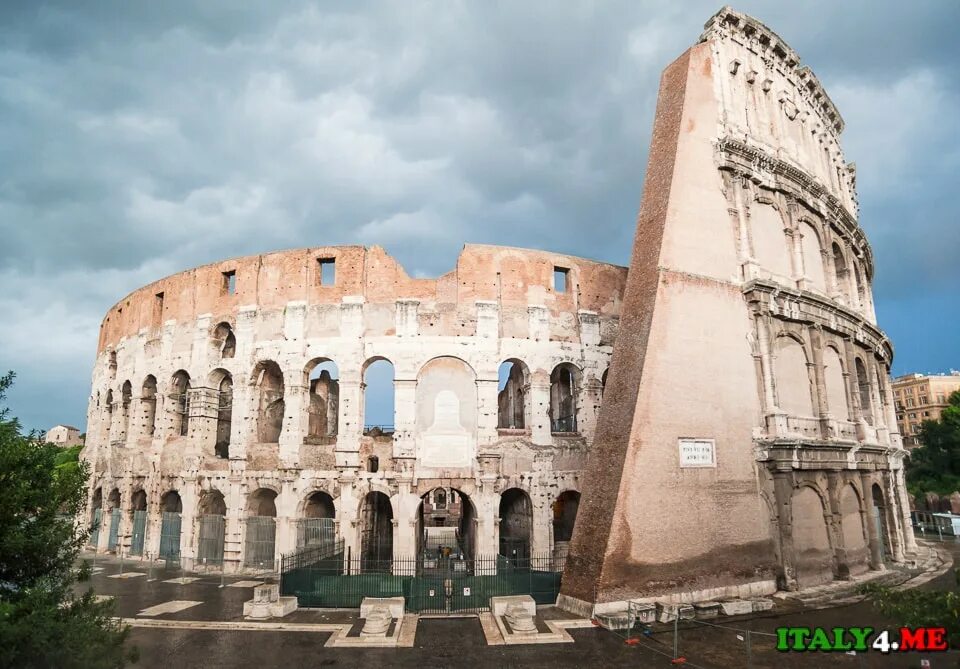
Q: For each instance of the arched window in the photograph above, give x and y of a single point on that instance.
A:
(564, 393)
(863, 384)
(511, 400)
(317, 525)
(224, 415)
(841, 276)
(180, 401)
(376, 539)
(378, 396)
(792, 379)
(108, 410)
(148, 405)
(268, 380)
(224, 341)
(322, 378)
(812, 257)
(126, 398)
(836, 386)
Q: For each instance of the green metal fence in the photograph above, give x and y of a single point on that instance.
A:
(170, 536)
(260, 542)
(114, 530)
(210, 540)
(430, 585)
(139, 535)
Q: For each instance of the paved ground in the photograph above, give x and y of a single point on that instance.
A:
(457, 642)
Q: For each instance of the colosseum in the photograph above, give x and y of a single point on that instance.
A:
(744, 439)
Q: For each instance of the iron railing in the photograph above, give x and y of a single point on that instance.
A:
(139, 535)
(95, 528)
(329, 579)
(260, 542)
(564, 424)
(114, 530)
(210, 540)
(170, 535)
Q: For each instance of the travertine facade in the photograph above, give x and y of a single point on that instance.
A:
(207, 401)
(748, 439)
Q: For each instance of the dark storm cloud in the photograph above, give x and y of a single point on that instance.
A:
(139, 139)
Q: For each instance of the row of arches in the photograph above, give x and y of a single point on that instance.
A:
(851, 390)
(316, 523)
(211, 401)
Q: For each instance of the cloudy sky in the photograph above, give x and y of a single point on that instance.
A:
(138, 139)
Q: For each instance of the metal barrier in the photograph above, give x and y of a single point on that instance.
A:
(327, 578)
(114, 530)
(139, 534)
(210, 540)
(169, 536)
(260, 542)
(315, 532)
(94, 537)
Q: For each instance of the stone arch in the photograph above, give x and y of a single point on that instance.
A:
(223, 340)
(794, 391)
(857, 553)
(513, 378)
(321, 376)
(835, 383)
(812, 251)
(379, 395)
(811, 538)
(222, 382)
(516, 523)
(317, 524)
(180, 402)
(770, 247)
(267, 378)
(863, 387)
(879, 517)
(565, 383)
(170, 502)
(148, 404)
(446, 523)
(376, 529)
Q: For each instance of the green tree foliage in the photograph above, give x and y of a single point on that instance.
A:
(935, 465)
(920, 608)
(43, 622)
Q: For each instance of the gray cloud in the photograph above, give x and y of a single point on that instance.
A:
(140, 139)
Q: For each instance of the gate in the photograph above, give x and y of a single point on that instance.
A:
(139, 532)
(114, 530)
(210, 540)
(316, 532)
(170, 536)
(95, 529)
(259, 542)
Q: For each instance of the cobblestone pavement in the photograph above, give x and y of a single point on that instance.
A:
(451, 642)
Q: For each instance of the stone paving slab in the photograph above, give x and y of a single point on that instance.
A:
(173, 606)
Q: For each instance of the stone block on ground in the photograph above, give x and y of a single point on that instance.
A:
(499, 605)
(736, 607)
(395, 605)
(643, 612)
(707, 609)
(667, 613)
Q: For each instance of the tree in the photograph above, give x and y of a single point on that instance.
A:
(935, 465)
(919, 608)
(43, 622)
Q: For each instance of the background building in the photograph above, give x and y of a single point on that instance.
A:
(63, 435)
(921, 397)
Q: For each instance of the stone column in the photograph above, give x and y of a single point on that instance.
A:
(539, 399)
(404, 417)
(873, 537)
(151, 546)
(295, 398)
(190, 499)
(243, 421)
(286, 540)
(406, 504)
(487, 410)
(348, 513)
(350, 426)
(235, 498)
(910, 541)
(894, 518)
(835, 483)
(542, 519)
(783, 493)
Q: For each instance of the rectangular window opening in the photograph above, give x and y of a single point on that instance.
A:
(327, 271)
(230, 282)
(561, 276)
(158, 304)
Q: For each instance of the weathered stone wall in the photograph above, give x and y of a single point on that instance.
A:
(158, 391)
(747, 334)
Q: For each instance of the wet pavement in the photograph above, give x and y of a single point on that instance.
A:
(459, 642)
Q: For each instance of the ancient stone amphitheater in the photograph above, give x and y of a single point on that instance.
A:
(747, 440)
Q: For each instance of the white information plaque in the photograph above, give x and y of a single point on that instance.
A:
(697, 453)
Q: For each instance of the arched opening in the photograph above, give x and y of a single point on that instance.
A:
(378, 397)
(148, 405)
(881, 393)
(317, 527)
(113, 503)
(211, 519)
(861, 295)
(170, 509)
(224, 389)
(268, 380)
(180, 402)
(126, 399)
(564, 515)
(373, 464)
(603, 382)
(880, 518)
(841, 276)
(792, 379)
(514, 380)
(261, 531)
(863, 385)
(812, 257)
(108, 411)
(811, 542)
(516, 524)
(376, 538)
(96, 511)
(323, 408)
(447, 527)
(138, 520)
(854, 538)
(564, 390)
(224, 342)
(835, 384)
